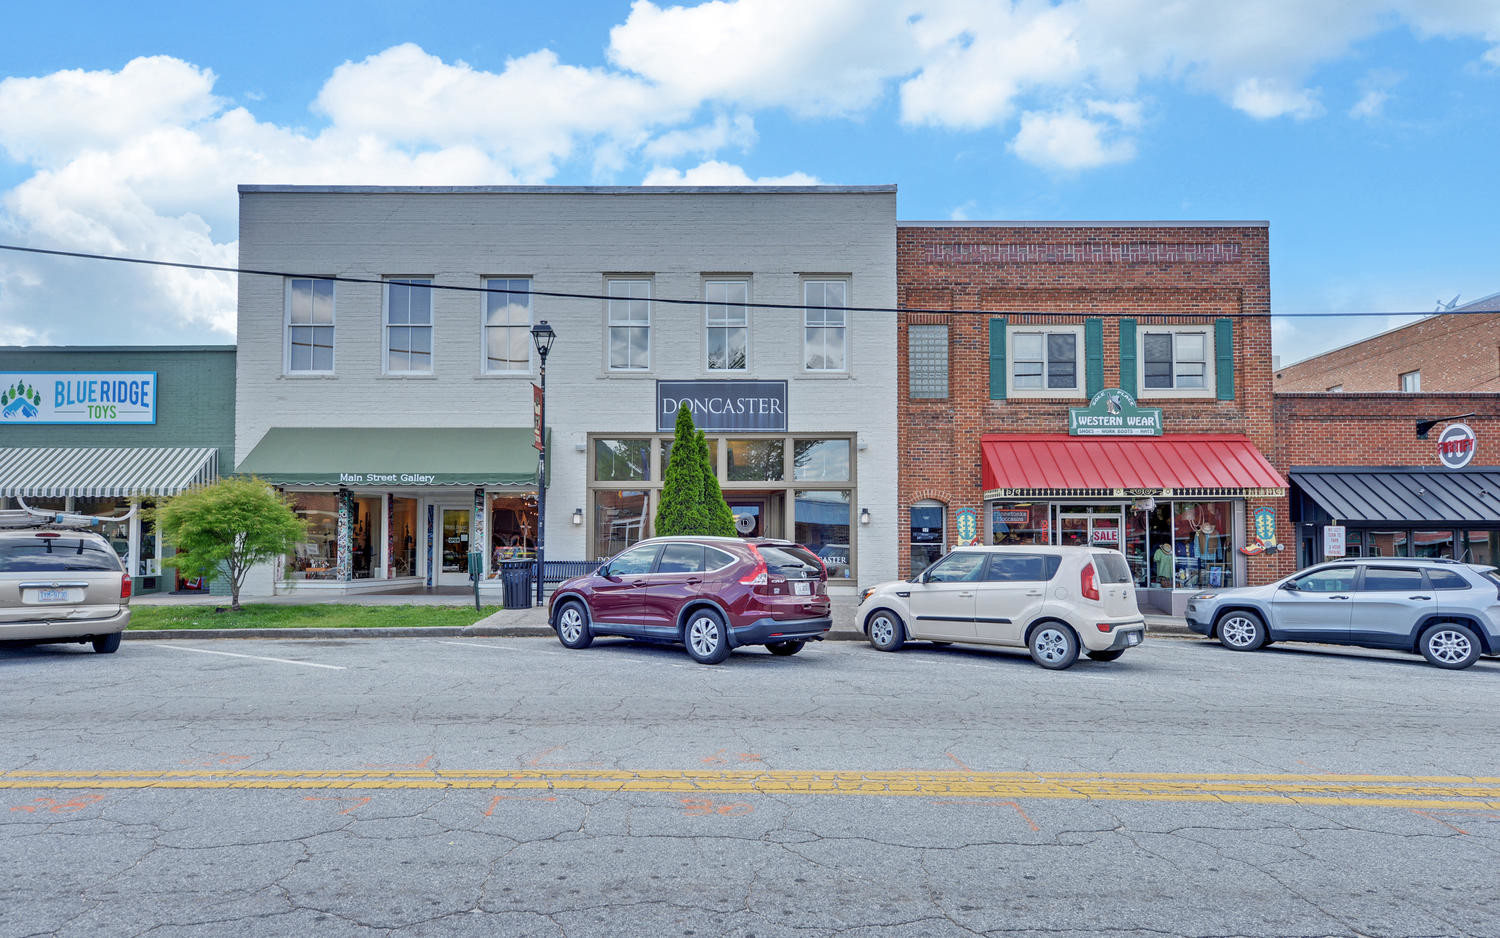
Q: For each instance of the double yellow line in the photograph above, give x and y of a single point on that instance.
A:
(1401, 791)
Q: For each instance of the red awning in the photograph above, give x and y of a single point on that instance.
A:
(1037, 463)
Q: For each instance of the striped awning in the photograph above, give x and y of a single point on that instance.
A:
(104, 472)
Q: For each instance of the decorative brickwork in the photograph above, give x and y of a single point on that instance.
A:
(1041, 275)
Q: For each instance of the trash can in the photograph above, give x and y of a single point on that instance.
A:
(517, 577)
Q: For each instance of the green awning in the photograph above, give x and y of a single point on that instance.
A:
(394, 457)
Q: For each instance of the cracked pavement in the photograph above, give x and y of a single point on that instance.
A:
(256, 843)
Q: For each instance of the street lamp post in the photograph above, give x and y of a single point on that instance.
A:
(543, 335)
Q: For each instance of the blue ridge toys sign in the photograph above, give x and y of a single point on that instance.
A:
(1113, 412)
(110, 397)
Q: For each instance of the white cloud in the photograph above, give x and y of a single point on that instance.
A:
(1067, 140)
(738, 132)
(1370, 105)
(1267, 99)
(715, 173)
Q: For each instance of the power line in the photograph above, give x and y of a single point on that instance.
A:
(213, 268)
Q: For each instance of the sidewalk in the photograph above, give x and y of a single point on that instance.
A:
(508, 623)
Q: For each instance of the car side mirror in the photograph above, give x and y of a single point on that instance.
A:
(1291, 585)
(604, 572)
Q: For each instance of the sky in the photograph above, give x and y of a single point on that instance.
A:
(1365, 133)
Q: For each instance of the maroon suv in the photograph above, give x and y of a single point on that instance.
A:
(712, 594)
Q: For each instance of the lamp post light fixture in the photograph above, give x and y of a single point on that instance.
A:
(542, 335)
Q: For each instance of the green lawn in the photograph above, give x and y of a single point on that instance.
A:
(322, 616)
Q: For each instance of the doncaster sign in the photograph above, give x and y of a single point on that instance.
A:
(754, 406)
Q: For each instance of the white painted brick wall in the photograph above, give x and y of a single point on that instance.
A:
(569, 241)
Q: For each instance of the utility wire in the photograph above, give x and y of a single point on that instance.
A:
(182, 265)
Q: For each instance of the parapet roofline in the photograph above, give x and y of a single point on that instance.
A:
(118, 348)
(1254, 223)
(576, 190)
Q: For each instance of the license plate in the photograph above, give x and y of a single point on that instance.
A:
(801, 589)
(52, 596)
(1134, 638)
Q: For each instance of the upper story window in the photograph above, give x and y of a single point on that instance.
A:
(309, 326)
(927, 361)
(507, 325)
(408, 326)
(1177, 359)
(1411, 381)
(728, 324)
(1045, 360)
(825, 326)
(629, 325)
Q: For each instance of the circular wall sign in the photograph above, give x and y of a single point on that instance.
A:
(744, 523)
(1456, 445)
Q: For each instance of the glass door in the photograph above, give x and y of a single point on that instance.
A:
(453, 547)
(1091, 528)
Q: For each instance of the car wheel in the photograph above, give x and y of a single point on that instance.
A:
(1053, 646)
(1450, 645)
(886, 631)
(108, 644)
(1241, 631)
(785, 649)
(573, 626)
(706, 638)
(1112, 654)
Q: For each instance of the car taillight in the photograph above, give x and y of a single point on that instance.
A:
(124, 586)
(761, 575)
(1086, 584)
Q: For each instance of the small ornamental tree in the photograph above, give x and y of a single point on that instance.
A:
(681, 510)
(720, 517)
(228, 527)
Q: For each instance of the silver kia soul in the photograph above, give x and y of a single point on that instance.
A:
(1447, 611)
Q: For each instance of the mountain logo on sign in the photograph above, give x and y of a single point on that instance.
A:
(18, 400)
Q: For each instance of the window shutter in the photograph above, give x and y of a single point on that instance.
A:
(1093, 356)
(997, 359)
(1127, 356)
(1224, 358)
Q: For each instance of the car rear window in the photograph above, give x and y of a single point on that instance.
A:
(1112, 567)
(789, 560)
(56, 554)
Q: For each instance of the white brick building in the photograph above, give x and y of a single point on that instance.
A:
(398, 411)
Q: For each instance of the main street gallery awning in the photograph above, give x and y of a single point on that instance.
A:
(388, 457)
(104, 472)
(1192, 465)
(1402, 495)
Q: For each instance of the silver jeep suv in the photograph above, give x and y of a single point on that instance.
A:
(1447, 611)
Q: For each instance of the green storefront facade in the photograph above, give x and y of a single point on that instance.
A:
(103, 429)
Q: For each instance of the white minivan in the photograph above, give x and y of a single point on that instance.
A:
(1054, 601)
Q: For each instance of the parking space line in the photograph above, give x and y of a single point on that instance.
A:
(230, 654)
(534, 651)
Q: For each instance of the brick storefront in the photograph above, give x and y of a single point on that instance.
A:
(1359, 453)
(1088, 277)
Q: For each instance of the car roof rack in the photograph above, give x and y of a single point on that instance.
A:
(13, 519)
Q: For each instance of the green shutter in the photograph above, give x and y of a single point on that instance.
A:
(1127, 356)
(1224, 357)
(1093, 356)
(997, 359)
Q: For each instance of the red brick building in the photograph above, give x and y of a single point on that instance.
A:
(1355, 462)
(1033, 361)
(1455, 351)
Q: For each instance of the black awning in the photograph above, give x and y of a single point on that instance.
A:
(1400, 495)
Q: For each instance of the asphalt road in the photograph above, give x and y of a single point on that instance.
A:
(495, 786)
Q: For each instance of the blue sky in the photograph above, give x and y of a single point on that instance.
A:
(1365, 133)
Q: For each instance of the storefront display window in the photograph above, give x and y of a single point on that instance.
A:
(316, 556)
(622, 460)
(820, 460)
(619, 521)
(1432, 543)
(1389, 544)
(364, 537)
(756, 460)
(1020, 523)
(1481, 547)
(403, 537)
(822, 525)
(1201, 544)
(512, 528)
(666, 455)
